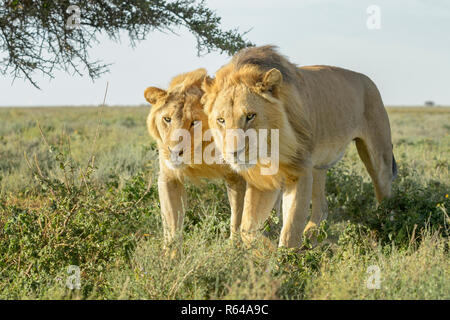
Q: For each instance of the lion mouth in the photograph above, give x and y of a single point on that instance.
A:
(241, 167)
(241, 160)
(175, 164)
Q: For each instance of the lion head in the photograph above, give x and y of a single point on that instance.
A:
(177, 109)
(250, 94)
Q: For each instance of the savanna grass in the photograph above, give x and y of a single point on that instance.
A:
(65, 201)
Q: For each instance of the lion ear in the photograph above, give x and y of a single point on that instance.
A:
(272, 80)
(153, 94)
(207, 84)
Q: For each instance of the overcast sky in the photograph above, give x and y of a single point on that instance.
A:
(408, 58)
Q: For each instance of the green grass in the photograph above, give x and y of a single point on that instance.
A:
(86, 195)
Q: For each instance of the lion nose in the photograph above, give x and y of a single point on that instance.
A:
(176, 153)
(236, 153)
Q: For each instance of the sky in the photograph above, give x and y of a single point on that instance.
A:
(408, 57)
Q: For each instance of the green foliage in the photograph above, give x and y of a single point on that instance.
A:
(413, 206)
(34, 36)
(75, 225)
(70, 202)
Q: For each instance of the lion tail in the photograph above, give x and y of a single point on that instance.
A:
(394, 168)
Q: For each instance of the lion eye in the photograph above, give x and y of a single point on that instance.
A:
(250, 116)
(167, 119)
(195, 123)
(221, 120)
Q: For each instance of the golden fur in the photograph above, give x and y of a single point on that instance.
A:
(318, 111)
(296, 136)
(181, 103)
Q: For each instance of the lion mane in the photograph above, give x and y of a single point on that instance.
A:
(184, 93)
(248, 67)
(312, 105)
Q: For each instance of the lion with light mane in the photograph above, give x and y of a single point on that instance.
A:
(318, 111)
(180, 108)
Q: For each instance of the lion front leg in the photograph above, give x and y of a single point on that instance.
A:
(296, 201)
(173, 200)
(319, 205)
(236, 186)
(257, 207)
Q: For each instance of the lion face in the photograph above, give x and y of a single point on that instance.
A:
(175, 119)
(239, 113)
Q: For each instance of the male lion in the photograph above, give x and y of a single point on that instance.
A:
(318, 111)
(179, 108)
